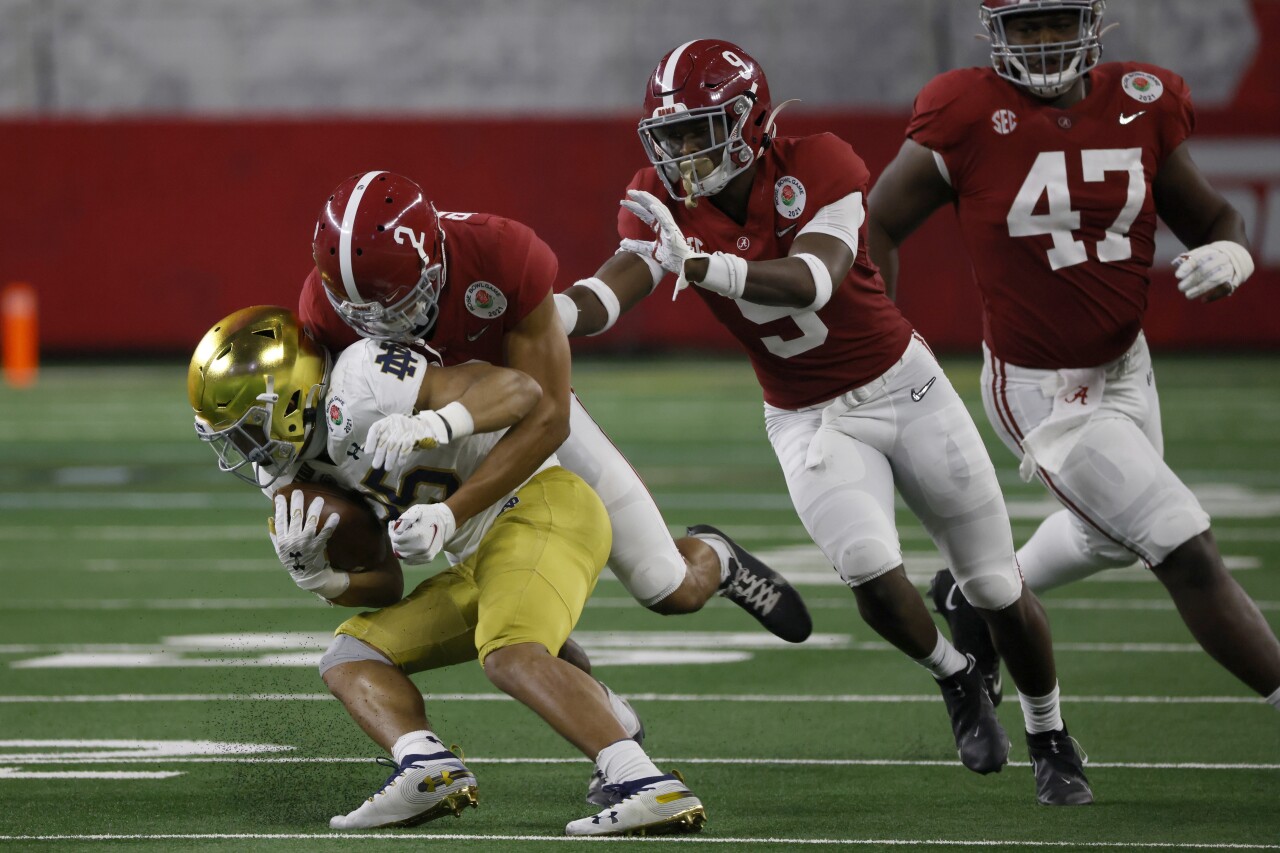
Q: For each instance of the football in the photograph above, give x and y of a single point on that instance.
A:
(360, 540)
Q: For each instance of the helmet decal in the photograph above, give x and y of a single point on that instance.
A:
(344, 241)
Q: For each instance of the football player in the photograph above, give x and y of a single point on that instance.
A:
(769, 231)
(1058, 167)
(472, 286)
(521, 569)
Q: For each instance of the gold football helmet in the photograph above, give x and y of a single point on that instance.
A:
(255, 382)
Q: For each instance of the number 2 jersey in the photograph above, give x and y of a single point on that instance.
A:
(800, 358)
(1055, 205)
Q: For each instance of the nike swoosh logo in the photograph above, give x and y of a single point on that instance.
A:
(784, 231)
(948, 603)
(919, 395)
(1124, 119)
(478, 334)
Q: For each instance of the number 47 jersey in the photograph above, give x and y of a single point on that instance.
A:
(1055, 205)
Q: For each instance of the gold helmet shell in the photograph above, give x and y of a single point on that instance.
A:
(255, 381)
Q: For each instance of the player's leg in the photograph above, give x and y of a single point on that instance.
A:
(535, 570)
(680, 576)
(842, 489)
(365, 668)
(945, 475)
(1126, 501)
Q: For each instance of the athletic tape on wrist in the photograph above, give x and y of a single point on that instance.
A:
(457, 420)
(726, 275)
(821, 281)
(609, 299)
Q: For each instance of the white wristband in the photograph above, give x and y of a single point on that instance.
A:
(457, 420)
(568, 311)
(609, 299)
(821, 281)
(726, 275)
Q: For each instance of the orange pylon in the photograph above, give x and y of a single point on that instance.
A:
(20, 354)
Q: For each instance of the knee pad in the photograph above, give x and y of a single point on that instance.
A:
(991, 590)
(347, 649)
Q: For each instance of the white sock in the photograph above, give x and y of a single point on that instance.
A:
(1274, 699)
(421, 742)
(722, 552)
(1041, 713)
(946, 659)
(626, 715)
(624, 761)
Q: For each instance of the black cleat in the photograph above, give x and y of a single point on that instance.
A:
(980, 739)
(969, 631)
(761, 591)
(1057, 761)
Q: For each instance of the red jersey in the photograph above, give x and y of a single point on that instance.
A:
(800, 358)
(1055, 205)
(496, 272)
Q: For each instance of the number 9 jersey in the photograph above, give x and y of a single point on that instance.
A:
(1055, 205)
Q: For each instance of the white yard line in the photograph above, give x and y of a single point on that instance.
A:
(637, 697)
(453, 838)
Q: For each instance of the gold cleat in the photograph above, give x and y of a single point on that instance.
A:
(661, 805)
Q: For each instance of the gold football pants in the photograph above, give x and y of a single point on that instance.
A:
(526, 583)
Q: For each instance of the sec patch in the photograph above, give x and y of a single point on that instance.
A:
(484, 300)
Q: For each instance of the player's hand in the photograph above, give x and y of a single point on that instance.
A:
(1213, 271)
(300, 542)
(394, 437)
(671, 249)
(420, 534)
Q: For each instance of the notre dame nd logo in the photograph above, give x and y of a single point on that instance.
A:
(396, 360)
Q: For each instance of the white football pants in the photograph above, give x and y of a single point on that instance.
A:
(644, 556)
(908, 428)
(1125, 503)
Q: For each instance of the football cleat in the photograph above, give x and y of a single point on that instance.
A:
(658, 805)
(423, 788)
(969, 631)
(1058, 763)
(980, 739)
(761, 591)
(598, 793)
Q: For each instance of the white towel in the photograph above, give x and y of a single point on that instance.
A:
(1077, 394)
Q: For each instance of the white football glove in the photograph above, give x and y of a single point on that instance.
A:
(300, 543)
(420, 534)
(1207, 268)
(394, 437)
(671, 249)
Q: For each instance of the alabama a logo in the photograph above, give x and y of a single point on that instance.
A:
(1142, 86)
(788, 197)
(485, 301)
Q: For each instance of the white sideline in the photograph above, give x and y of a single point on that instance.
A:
(421, 838)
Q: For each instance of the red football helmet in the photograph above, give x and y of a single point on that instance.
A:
(1028, 65)
(710, 91)
(380, 251)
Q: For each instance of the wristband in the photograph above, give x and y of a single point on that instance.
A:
(821, 281)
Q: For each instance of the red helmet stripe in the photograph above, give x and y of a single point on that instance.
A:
(666, 79)
(344, 239)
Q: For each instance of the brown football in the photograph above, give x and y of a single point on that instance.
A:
(360, 541)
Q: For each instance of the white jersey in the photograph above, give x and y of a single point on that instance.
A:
(371, 380)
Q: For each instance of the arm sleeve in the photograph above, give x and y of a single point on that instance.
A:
(840, 219)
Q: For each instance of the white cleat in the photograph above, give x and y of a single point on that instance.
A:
(659, 805)
(423, 788)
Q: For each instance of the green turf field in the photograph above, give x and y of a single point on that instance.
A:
(157, 687)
